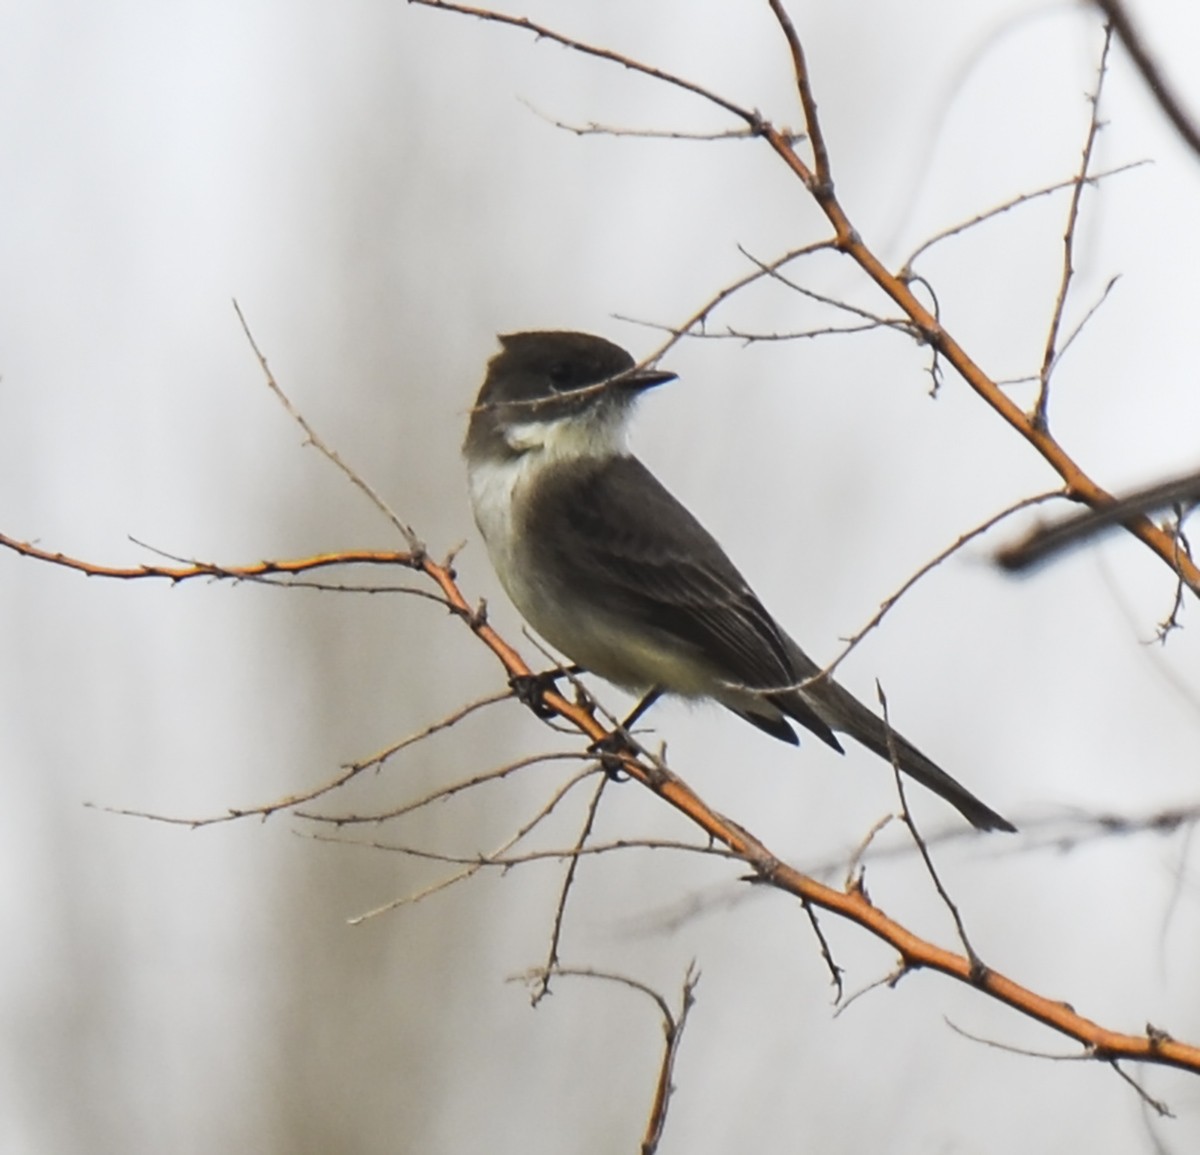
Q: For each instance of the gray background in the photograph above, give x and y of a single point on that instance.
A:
(366, 180)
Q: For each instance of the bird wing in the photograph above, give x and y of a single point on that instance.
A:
(612, 519)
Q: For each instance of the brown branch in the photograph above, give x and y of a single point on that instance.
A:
(673, 1028)
(1080, 487)
(822, 177)
(199, 569)
(852, 903)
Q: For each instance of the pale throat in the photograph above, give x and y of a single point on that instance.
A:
(498, 484)
(581, 435)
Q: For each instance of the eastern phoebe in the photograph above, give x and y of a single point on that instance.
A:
(610, 569)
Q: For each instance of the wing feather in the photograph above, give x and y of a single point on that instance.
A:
(613, 519)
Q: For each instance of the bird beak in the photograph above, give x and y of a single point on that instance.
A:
(637, 380)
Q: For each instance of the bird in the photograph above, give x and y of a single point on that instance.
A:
(615, 573)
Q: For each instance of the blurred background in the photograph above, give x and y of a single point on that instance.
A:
(380, 188)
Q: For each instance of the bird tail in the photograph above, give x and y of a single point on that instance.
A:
(841, 710)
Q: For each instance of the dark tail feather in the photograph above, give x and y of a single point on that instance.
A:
(846, 713)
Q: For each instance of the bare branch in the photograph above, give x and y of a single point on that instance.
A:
(1093, 309)
(699, 318)
(484, 859)
(592, 128)
(822, 178)
(542, 32)
(774, 273)
(673, 1028)
(977, 966)
(890, 601)
(506, 862)
(348, 773)
(1050, 356)
(441, 793)
(204, 569)
(540, 991)
(321, 446)
(1015, 202)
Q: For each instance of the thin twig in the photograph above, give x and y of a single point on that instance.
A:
(593, 128)
(442, 793)
(751, 338)
(542, 32)
(890, 601)
(772, 271)
(673, 1028)
(835, 971)
(348, 773)
(1183, 548)
(560, 907)
(1082, 324)
(977, 967)
(1015, 202)
(469, 871)
(700, 317)
(1050, 355)
(314, 439)
(506, 862)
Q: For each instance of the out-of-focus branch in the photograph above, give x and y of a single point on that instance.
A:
(1044, 542)
(1162, 92)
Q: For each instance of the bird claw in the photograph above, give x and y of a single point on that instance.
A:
(608, 750)
(531, 689)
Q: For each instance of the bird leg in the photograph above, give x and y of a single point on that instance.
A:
(609, 747)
